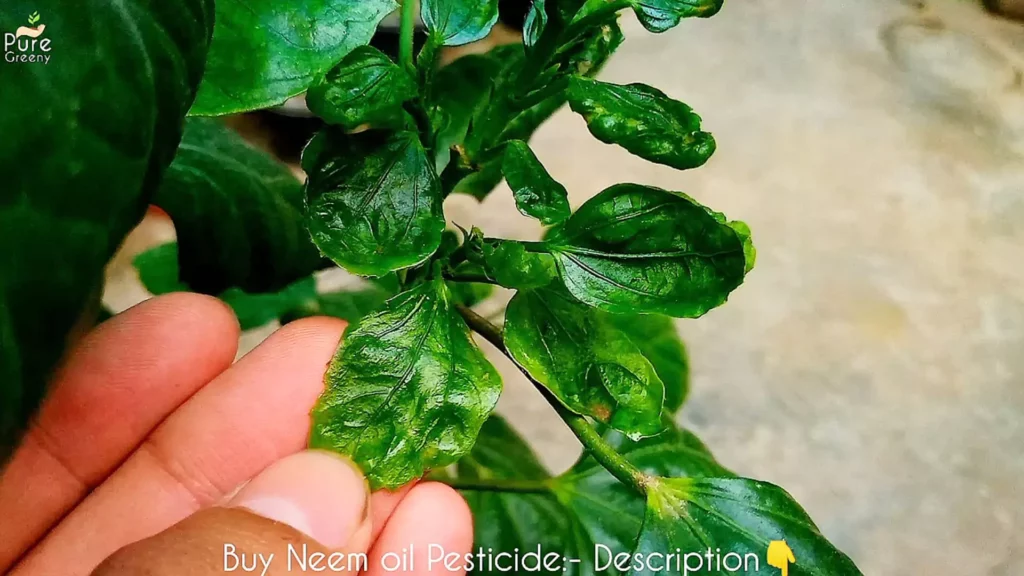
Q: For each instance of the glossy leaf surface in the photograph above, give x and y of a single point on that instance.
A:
(735, 515)
(366, 87)
(640, 249)
(373, 200)
(237, 213)
(407, 390)
(643, 120)
(537, 194)
(458, 22)
(88, 134)
(574, 351)
(659, 342)
(266, 51)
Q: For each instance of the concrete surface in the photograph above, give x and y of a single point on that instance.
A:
(873, 363)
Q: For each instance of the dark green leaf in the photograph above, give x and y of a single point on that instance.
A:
(640, 249)
(536, 20)
(505, 521)
(237, 213)
(408, 389)
(537, 194)
(266, 51)
(738, 517)
(607, 512)
(574, 351)
(373, 200)
(655, 15)
(658, 340)
(590, 52)
(458, 22)
(512, 266)
(255, 310)
(158, 271)
(87, 137)
(366, 87)
(643, 120)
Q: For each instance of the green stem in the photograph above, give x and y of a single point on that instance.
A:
(592, 441)
(408, 28)
(499, 485)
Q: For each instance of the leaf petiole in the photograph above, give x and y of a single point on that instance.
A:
(499, 485)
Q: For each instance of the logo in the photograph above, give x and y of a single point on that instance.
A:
(780, 556)
(26, 45)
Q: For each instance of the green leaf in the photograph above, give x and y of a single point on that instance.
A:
(255, 310)
(655, 15)
(574, 351)
(643, 120)
(266, 51)
(87, 138)
(609, 513)
(373, 200)
(640, 249)
(658, 340)
(506, 521)
(458, 22)
(408, 389)
(366, 87)
(537, 194)
(158, 271)
(509, 263)
(738, 517)
(536, 20)
(237, 213)
(501, 120)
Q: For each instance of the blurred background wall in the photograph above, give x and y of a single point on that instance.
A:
(873, 363)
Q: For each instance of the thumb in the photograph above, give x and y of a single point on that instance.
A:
(308, 503)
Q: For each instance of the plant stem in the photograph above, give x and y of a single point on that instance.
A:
(499, 485)
(587, 435)
(406, 31)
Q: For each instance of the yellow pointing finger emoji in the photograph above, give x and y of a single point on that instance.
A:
(780, 556)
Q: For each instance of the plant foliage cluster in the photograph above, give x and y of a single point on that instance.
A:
(409, 391)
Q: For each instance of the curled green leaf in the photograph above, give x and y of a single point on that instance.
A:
(537, 194)
(407, 391)
(458, 22)
(366, 87)
(643, 120)
(655, 15)
(373, 200)
(594, 369)
(658, 340)
(640, 249)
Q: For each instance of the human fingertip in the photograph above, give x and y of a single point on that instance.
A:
(320, 494)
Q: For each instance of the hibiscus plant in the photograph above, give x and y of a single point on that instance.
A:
(409, 392)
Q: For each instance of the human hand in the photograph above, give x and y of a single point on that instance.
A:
(149, 429)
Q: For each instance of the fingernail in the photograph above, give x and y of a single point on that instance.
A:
(317, 493)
